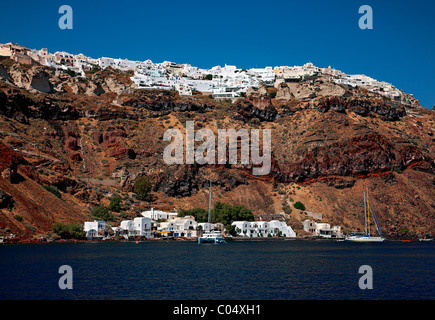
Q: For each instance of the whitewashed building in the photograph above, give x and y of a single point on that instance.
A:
(94, 229)
(206, 227)
(323, 230)
(158, 214)
(242, 227)
(128, 227)
(140, 226)
(185, 227)
(280, 227)
(105, 62)
(143, 226)
(256, 229)
(265, 75)
(183, 89)
(180, 227)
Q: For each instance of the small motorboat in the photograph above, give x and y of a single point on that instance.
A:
(425, 239)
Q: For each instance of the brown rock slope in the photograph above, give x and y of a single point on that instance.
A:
(327, 149)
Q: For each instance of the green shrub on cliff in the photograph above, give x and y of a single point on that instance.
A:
(222, 212)
(115, 204)
(53, 190)
(102, 212)
(142, 188)
(226, 213)
(299, 205)
(200, 214)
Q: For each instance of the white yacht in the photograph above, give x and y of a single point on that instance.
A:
(366, 237)
(213, 236)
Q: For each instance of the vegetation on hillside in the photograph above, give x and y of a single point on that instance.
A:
(69, 231)
(221, 213)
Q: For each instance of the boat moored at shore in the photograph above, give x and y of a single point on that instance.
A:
(366, 237)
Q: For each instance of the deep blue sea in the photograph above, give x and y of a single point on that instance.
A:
(237, 270)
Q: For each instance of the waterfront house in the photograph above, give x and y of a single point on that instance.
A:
(185, 227)
(242, 227)
(281, 228)
(256, 229)
(206, 227)
(143, 226)
(179, 227)
(94, 229)
(262, 228)
(140, 226)
(323, 230)
(309, 226)
(128, 227)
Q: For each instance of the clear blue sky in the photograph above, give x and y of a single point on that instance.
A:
(247, 33)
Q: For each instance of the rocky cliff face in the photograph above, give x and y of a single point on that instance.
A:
(329, 145)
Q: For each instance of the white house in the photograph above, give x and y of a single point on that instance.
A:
(138, 227)
(281, 227)
(185, 227)
(265, 75)
(158, 214)
(180, 227)
(124, 64)
(242, 227)
(183, 89)
(263, 229)
(143, 226)
(105, 62)
(323, 230)
(94, 229)
(206, 227)
(128, 227)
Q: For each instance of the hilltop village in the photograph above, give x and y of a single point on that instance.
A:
(222, 82)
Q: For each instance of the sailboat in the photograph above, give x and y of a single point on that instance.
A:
(366, 237)
(212, 236)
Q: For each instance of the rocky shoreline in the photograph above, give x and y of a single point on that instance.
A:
(18, 240)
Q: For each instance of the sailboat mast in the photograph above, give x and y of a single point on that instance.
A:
(209, 205)
(365, 214)
(368, 211)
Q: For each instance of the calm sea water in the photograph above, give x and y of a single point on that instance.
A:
(239, 270)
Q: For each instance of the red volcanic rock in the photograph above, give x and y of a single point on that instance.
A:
(9, 161)
(113, 134)
(72, 145)
(71, 140)
(75, 156)
(352, 157)
(362, 107)
(114, 139)
(260, 108)
(7, 155)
